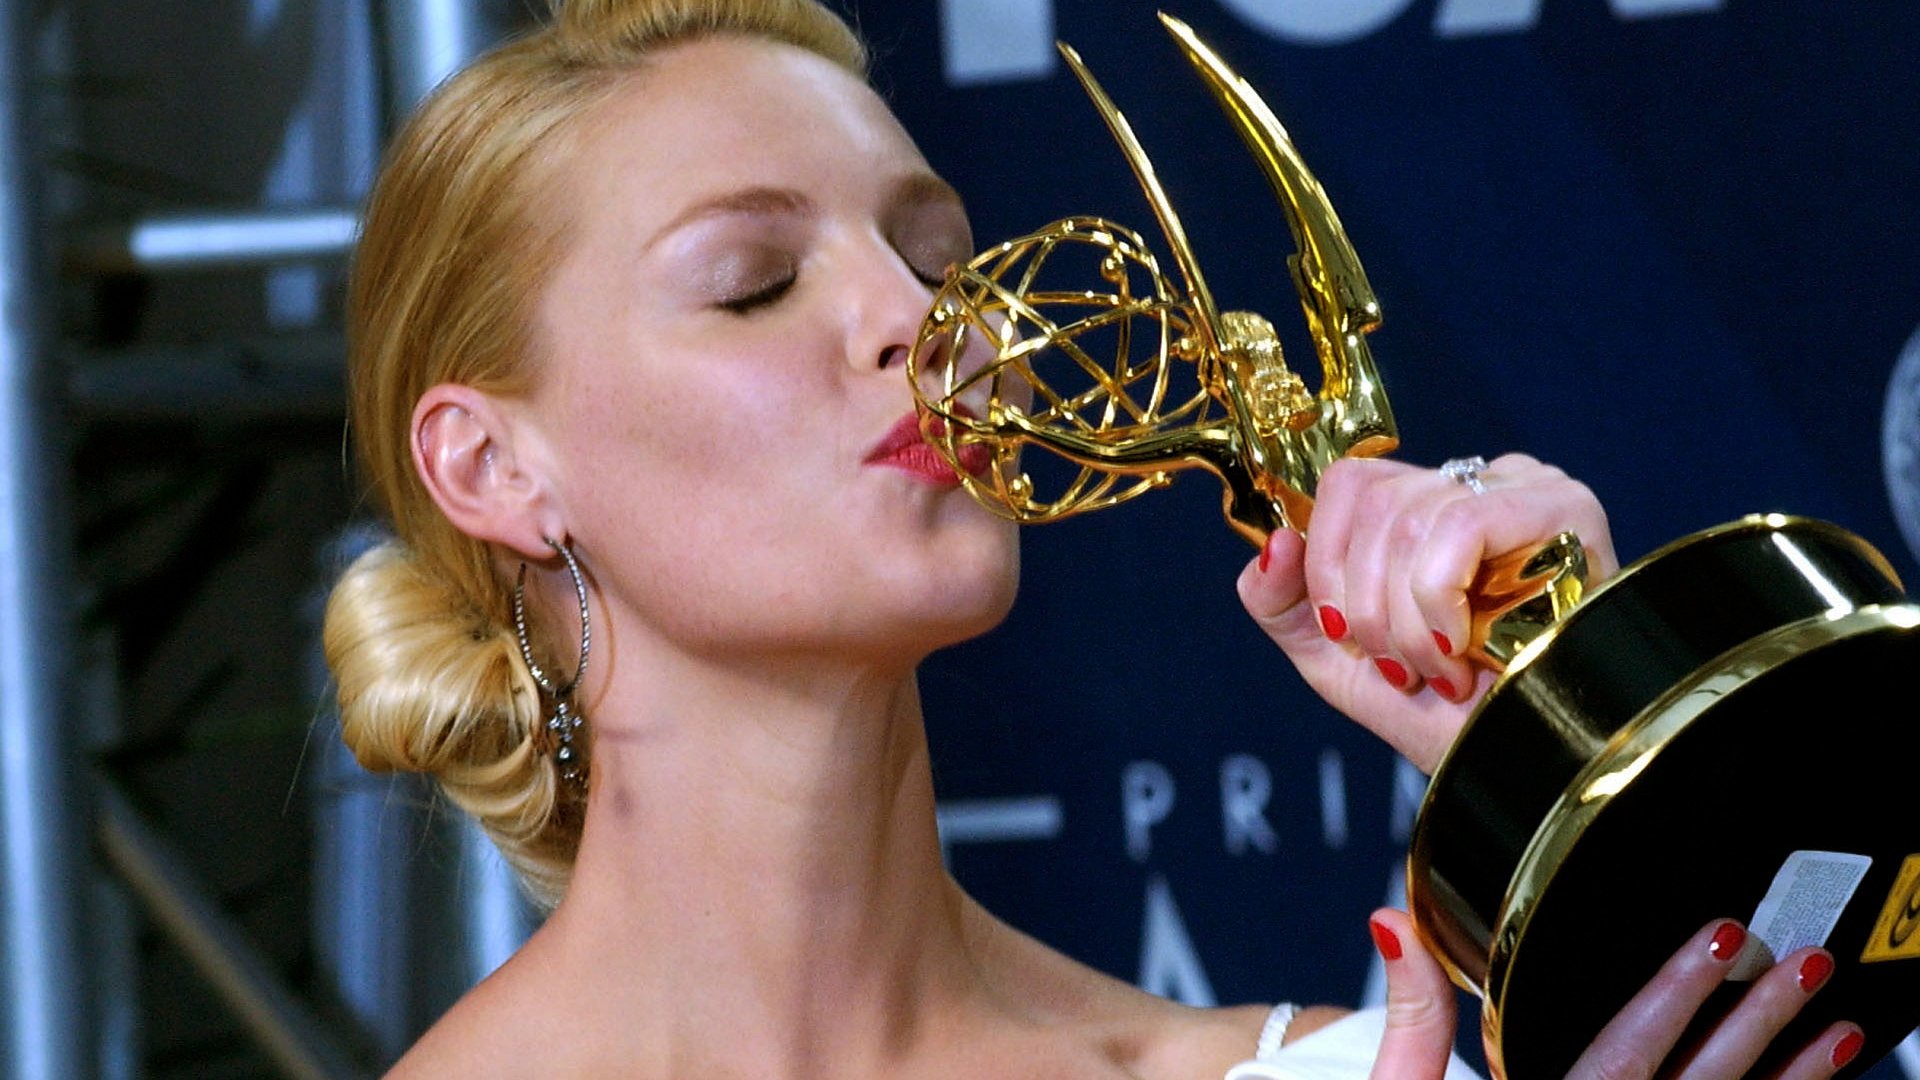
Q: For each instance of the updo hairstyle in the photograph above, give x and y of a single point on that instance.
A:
(459, 238)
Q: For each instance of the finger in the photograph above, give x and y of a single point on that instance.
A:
(1419, 728)
(1431, 653)
(1525, 505)
(1436, 587)
(1336, 501)
(1834, 1050)
(1735, 1043)
(1581, 511)
(1444, 674)
(1639, 1038)
(1418, 1040)
(1387, 520)
(1444, 618)
(1273, 587)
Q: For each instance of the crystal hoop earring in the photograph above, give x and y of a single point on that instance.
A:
(565, 723)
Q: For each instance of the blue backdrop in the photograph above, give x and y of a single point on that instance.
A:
(1670, 245)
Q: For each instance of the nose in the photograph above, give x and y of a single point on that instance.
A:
(889, 304)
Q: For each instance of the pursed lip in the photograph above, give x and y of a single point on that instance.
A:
(904, 448)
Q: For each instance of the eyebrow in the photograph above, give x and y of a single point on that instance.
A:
(925, 188)
(914, 189)
(753, 200)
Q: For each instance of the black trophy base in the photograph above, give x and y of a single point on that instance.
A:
(1802, 759)
(1721, 716)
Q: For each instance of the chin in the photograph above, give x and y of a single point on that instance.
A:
(989, 611)
(972, 589)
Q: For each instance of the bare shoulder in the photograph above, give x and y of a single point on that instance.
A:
(1145, 1036)
(1202, 1044)
(471, 1040)
(487, 1035)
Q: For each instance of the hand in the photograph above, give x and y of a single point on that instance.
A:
(1371, 604)
(1646, 1032)
(1644, 1035)
(1643, 1039)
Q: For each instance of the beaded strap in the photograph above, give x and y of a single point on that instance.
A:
(1275, 1031)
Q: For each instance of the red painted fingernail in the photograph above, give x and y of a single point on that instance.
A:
(1445, 646)
(1442, 687)
(1848, 1048)
(1266, 556)
(1334, 623)
(1727, 941)
(1814, 971)
(1389, 945)
(1391, 671)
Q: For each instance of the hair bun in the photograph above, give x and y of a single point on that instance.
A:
(426, 685)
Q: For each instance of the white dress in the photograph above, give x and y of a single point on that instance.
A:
(1343, 1050)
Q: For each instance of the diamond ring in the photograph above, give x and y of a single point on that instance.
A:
(1466, 472)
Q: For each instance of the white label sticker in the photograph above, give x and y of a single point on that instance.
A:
(1802, 906)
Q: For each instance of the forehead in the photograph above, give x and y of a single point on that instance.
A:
(724, 113)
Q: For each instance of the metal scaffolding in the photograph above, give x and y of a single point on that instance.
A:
(42, 811)
(62, 824)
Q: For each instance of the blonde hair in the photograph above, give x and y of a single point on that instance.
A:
(455, 247)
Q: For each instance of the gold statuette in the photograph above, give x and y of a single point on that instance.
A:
(1142, 376)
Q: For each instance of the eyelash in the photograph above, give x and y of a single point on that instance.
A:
(759, 298)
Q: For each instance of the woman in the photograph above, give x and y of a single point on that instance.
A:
(633, 303)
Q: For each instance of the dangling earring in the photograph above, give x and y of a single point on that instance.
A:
(565, 722)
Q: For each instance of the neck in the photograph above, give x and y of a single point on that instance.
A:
(760, 867)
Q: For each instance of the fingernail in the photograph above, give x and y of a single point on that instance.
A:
(1391, 670)
(1848, 1048)
(1727, 941)
(1334, 623)
(1266, 553)
(1814, 971)
(1442, 687)
(1445, 646)
(1389, 945)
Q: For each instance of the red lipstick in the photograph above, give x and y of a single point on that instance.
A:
(905, 449)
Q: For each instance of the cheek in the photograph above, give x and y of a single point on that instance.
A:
(709, 487)
(714, 424)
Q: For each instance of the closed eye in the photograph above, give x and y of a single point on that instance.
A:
(759, 298)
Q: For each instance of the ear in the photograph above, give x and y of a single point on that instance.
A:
(475, 458)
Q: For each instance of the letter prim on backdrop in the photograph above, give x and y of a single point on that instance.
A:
(1618, 787)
